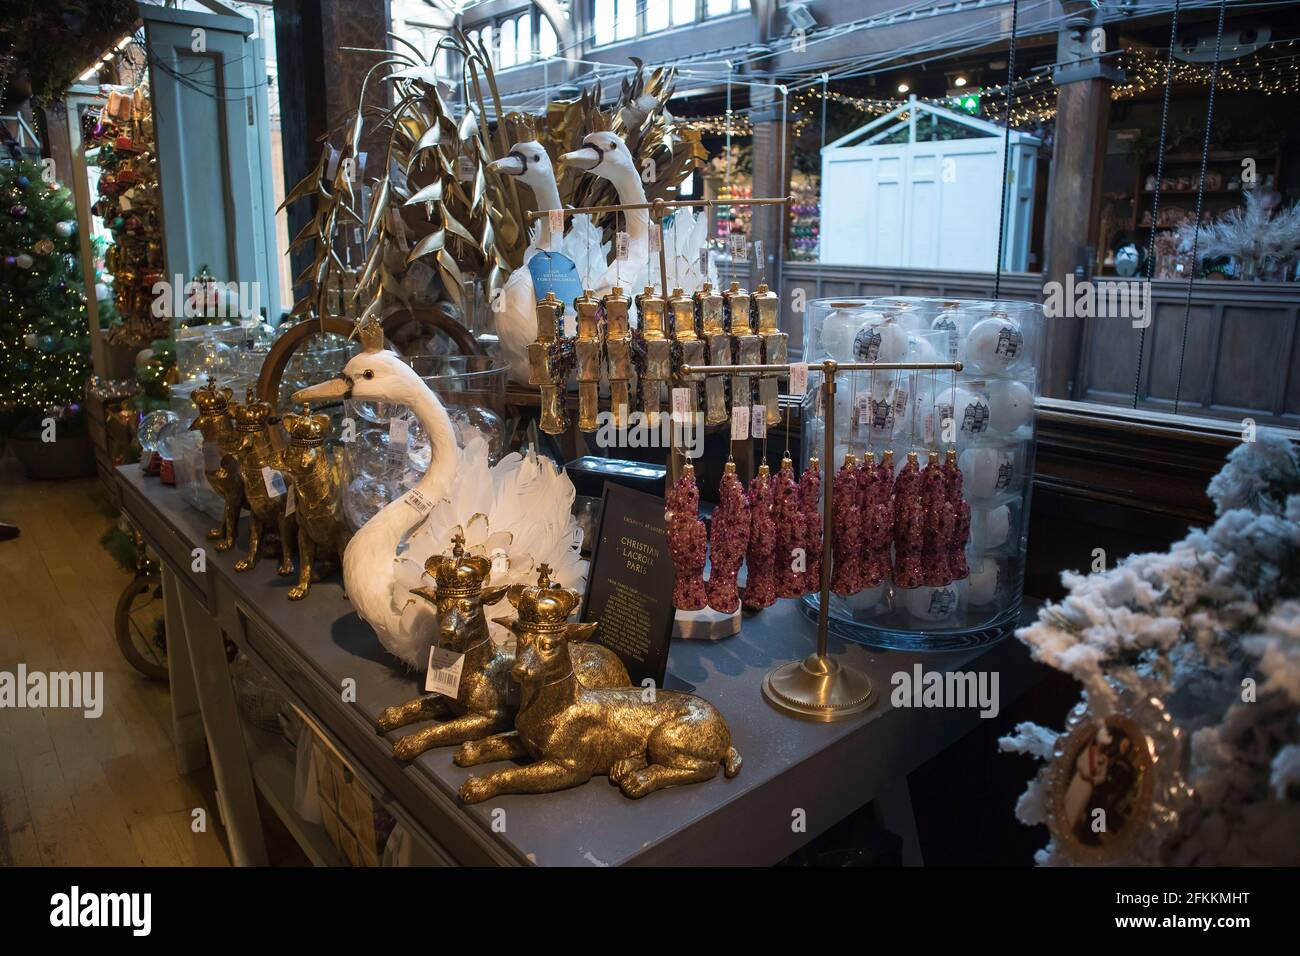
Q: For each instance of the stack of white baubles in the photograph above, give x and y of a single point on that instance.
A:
(991, 402)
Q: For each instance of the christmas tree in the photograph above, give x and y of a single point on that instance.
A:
(44, 335)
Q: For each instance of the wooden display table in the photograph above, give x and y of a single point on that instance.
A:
(315, 649)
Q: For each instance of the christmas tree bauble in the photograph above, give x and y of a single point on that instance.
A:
(24, 261)
(46, 343)
(24, 182)
(18, 211)
(43, 247)
(65, 228)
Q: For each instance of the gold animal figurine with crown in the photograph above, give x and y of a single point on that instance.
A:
(264, 485)
(318, 504)
(481, 705)
(574, 733)
(219, 464)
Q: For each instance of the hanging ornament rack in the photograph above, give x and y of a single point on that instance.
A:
(819, 687)
(665, 320)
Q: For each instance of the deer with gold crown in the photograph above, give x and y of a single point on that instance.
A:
(259, 463)
(642, 740)
(318, 506)
(219, 464)
(481, 705)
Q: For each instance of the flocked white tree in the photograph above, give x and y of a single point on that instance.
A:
(1210, 630)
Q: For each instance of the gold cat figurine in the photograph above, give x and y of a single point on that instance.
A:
(317, 499)
(259, 464)
(574, 733)
(481, 706)
(219, 464)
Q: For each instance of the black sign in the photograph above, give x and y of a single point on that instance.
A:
(630, 583)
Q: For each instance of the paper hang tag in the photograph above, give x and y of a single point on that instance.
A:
(211, 456)
(739, 249)
(623, 247)
(418, 501)
(681, 398)
(861, 410)
(500, 562)
(900, 401)
(758, 421)
(798, 379)
(273, 480)
(399, 433)
(555, 218)
(739, 422)
(555, 272)
(656, 239)
(443, 675)
(704, 261)
(290, 502)
(758, 251)
(465, 168)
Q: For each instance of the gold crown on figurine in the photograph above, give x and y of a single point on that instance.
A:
(252, 415)
(307, 430)
(370, 333)
(211, 400)
(459, 574)
(544, 607)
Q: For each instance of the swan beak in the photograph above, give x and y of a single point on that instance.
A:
(334, 390)
(512, 164)
(588, 158)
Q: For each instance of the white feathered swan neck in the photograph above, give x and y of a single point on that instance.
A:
(368, 569)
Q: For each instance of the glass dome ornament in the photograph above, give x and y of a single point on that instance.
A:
(150, 429)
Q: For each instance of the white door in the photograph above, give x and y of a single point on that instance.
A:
(209, 89)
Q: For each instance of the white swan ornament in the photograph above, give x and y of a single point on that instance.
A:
(517, 317)
(685, 234)
(518, 512)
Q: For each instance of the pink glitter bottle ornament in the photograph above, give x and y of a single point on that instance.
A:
(909, 526)
(939, 523)
(877, 521)
(728, 536)
(686, 541)
(760, 586)
(957, 564)
(788, 518)
(846, 543)
(810, 500)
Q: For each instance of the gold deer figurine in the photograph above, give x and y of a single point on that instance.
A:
(317, 501)
(263, 484)
(219, 464)
(481, 706)
(574, 733)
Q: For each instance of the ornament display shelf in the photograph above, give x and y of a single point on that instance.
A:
(308, 649)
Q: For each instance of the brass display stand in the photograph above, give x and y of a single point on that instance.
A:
(820, 687)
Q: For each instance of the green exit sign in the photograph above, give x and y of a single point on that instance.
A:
(969, 103)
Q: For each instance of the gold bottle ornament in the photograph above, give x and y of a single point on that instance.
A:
(709, 317)
(587, 355)
(618, 349)
(689, 346)
(746, 346)
(652, 310)
(546, 368)
(767, 313)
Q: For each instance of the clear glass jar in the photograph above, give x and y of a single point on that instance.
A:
(390, 451)
(984, 412)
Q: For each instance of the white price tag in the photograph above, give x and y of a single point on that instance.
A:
(758, 251)
(704, 262)
(623, 247)
(656, 239)
(900, 401)
(211, 456)
(681, 398)
(798, 379)
(465, 169)
(443, 675)
(399, 430)
(273, 480)
(555, 218)
(290, 502)
(418, 501)
(739, 249)
(739, 422)
(500, 562)
(862, 410)
(758, 421)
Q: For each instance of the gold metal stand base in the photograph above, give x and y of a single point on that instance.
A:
(818, 688)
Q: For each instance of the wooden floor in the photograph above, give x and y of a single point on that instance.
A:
(77, 791)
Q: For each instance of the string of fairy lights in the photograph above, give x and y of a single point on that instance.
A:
(1275, 74)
